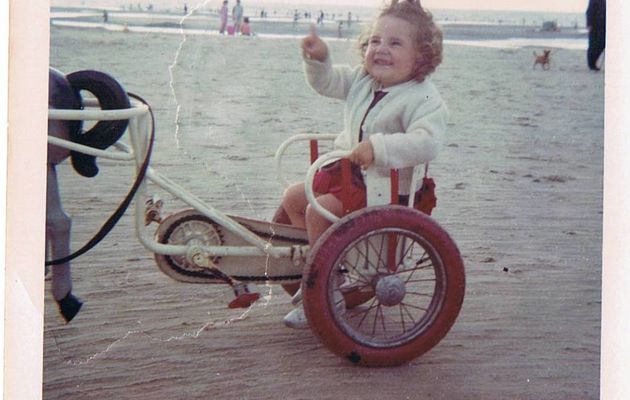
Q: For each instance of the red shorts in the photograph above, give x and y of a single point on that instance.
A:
(328, 180)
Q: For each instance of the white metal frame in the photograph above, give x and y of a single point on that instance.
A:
(139, 135)
(139, 128)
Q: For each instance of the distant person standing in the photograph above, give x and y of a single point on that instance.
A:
(237, 16)
(223, 14)
(596, 24)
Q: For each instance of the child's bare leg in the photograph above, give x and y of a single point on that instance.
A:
(294, 203)
(315, 222)
(316, 225)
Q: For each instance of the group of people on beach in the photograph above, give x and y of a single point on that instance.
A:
(240, 23)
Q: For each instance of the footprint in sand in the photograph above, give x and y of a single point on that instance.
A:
(525, 122)
(557, 178)
(235, 158)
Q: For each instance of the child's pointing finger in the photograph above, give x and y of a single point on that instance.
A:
(313, 47)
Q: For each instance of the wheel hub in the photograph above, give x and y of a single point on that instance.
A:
(390, 290)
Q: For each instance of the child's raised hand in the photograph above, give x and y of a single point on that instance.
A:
(313, 47)
(363, 154)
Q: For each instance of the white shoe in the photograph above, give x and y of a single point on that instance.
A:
(296, 319)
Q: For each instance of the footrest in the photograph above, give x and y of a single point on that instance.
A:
(243, 298)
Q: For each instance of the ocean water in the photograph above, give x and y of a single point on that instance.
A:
(475, 28)
(287, 9)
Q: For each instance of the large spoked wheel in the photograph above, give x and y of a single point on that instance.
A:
(410, 265)
(184, 228)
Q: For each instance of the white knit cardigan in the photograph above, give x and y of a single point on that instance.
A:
(405, 127)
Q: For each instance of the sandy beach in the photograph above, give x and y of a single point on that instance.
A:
(519, 186)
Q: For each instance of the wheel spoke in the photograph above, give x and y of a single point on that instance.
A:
(364, 312)
(379, 252)
(411, 271)
(383, 321)
(406, 251)
(412, 306)
(405, 306)
(402, 317)
(378, 308)
(420, 294)
(357, 276)
(338, 302)
(365, 256)
(420, 280)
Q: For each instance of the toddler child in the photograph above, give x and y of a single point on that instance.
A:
(246, 30)
(394, 116)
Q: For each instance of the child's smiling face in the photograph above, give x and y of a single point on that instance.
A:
(391, 55)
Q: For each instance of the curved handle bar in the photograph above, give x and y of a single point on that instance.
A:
(87, 114)
(308, 183)
(284, 145)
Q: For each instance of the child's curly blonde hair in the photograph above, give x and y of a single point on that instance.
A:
(428, 40)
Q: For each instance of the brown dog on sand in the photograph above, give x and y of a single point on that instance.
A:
(543, 59)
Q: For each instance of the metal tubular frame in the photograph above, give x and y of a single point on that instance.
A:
(138, 130)
(138, 135)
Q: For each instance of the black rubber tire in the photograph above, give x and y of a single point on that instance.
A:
(439, 258)
(111, 96)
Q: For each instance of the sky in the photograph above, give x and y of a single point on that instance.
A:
(566, 6)
(577, 6)
(529, 5)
